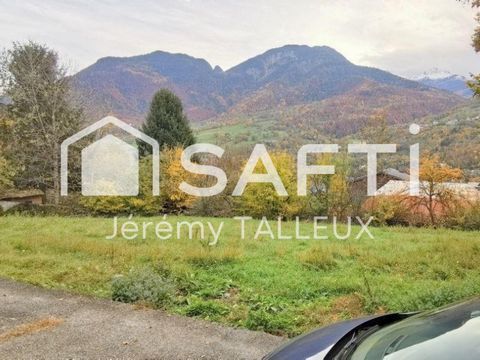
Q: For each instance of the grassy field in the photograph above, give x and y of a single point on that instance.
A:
(241, 134)
(280, 286)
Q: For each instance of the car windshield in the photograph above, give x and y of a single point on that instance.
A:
(449, 333)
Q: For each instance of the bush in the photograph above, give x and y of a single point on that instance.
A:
(464, 218)
(388, 210)
(143, 285)
(106, 205)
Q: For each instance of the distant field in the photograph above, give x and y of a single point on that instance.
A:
(211, 134)
(279, 286)
(242, 133)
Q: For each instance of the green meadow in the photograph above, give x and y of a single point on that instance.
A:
(284, 287)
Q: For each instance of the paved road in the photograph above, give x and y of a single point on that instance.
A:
(41, 324)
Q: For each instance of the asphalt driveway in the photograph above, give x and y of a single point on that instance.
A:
(42, 324)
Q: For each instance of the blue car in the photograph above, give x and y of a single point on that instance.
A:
(451, 332)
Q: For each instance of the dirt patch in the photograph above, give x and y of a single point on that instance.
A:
(30, 328)
(351, 305)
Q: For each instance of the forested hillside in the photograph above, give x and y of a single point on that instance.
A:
(295, 83)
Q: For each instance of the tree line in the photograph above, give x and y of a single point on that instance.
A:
(40, 112)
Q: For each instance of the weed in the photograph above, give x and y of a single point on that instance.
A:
(206, 309)
(209, 256)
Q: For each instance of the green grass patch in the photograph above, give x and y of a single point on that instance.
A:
(284, 287)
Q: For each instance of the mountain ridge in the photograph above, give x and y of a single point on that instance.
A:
(282, 77)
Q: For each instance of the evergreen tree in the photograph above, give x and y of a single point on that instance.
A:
(166, 123)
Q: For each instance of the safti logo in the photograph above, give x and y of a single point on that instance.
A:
(110, 166)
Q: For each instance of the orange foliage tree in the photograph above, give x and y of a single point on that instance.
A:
(434, 195)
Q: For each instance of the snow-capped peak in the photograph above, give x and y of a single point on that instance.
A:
(436, 74)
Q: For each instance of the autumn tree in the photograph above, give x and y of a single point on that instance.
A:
(261, 199)
(41, 111)
(167, 123)
(339, 195)
(172, 175)
(434, 195)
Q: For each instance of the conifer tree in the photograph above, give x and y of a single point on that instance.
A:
(167, 123)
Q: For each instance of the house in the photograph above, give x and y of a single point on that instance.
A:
(359, 185)
(13, 198)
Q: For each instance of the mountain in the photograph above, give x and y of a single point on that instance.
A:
(125, 86)
(276, 81)
(445, 80)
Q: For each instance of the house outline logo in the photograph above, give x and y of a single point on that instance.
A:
(109, 139)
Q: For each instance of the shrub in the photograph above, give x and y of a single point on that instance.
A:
(105, 205)
(388, 210)
(464, 218)
(143, 285)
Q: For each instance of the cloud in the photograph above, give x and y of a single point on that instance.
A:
(403, 36)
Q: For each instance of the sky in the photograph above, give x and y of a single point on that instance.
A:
(406, 37)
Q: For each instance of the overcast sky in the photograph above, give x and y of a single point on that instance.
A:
(405, 37)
